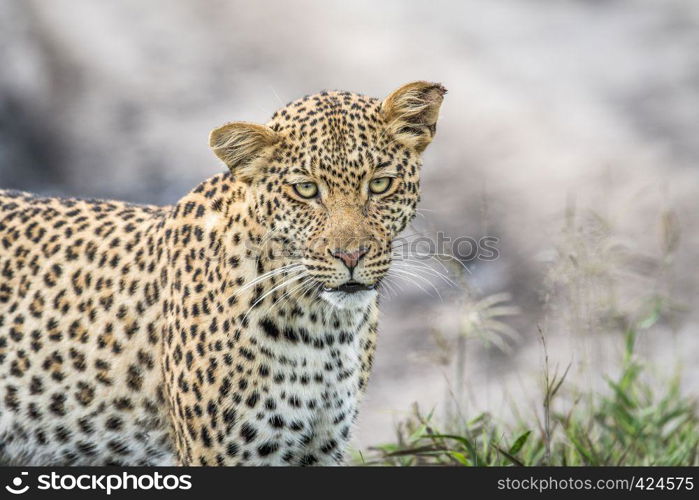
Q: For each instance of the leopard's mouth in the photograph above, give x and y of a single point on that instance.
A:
(350, 287)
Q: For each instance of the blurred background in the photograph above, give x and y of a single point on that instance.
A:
(570, 132)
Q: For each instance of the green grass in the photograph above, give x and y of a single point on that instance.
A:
(629, 424)
(635, 420)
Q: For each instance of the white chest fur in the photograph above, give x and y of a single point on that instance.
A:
(309, 394)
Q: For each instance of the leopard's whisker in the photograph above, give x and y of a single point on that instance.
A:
(435, 256)
(415, 275)
(387, 286)
(421, 266)
(285, 269)
(429, 256)
(289, 294)
(272, 272)
(398, 277)
(282, 284)
(427, 273)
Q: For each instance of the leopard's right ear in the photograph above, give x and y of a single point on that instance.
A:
(241, 146)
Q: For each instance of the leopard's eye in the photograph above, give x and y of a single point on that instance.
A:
(306, 190)
(380, 185)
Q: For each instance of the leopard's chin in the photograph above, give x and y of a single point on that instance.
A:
(356, 299)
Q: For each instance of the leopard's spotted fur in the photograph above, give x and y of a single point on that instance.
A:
(211, 332)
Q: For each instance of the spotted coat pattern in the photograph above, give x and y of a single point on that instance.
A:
(216, 331)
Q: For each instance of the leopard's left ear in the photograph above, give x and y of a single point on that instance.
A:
(411, 113)
(242, 146)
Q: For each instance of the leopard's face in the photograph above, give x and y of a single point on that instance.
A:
(335, 179)
(340, 191)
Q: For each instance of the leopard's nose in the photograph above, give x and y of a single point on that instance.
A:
(350, 257)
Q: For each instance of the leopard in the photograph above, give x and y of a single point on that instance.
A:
(237, 326)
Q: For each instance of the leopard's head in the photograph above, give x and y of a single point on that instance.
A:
(334, 178)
